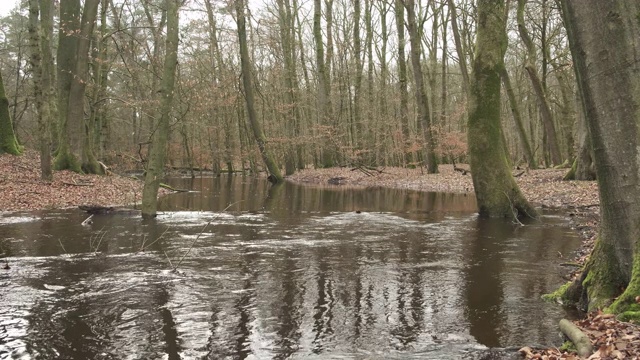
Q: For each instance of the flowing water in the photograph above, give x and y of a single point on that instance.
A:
(287, 272)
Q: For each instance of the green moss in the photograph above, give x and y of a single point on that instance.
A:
(66, 161)
(627, 301)
(568, 346)
(560, 295)
(630, 316)
(571, 174)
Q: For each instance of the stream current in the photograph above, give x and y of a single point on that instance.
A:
(287, 272)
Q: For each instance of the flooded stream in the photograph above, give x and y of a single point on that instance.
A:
(290, 272)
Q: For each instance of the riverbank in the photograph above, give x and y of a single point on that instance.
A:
(21, 188)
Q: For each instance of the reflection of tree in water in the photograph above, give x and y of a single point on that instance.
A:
(289, 316)
(483, 290)
(409, 298)
(323, 316)
(171, 339)
(231, 330)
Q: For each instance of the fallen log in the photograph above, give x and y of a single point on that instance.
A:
(577, 337)
(106, 210)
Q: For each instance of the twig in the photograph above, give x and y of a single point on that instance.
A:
(168, 258)
(100, 242)
(200, 234)
(514, 211)
(76, 184)
(62, 246)
(143, 246)
(87, 221)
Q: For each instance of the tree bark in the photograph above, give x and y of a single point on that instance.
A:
(420, 90)
(604, 42)
(157, 154)
(75, 150)
(538, 88)
(273, 169)
(517, 117)
(324, 95)
(38, 90)
(402, 81)
(462, 58)
(8, 142)
(496, 191)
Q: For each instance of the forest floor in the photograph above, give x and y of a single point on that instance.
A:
(21, 189)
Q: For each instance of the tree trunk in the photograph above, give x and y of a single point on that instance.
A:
(538, 87)
(74, 151)
(402, 81)
(274, 172)
(462, 57)
(38, 90)
(157, 154)
(356, 130)
(290, 78)
(421, 92)
(497, 193)
(517, 117)
(324, 100)
(604, 43)
(8, 142)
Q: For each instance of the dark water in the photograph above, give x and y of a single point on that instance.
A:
(284, 273)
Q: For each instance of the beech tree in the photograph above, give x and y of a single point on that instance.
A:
(8, 142)
(604, 43)
(274, 171)
(497, 193)
(420, 90)
(157, 154)
(75, 147)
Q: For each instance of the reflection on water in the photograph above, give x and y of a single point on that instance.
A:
(286, 272)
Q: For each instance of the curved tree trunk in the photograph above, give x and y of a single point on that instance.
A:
(605, 45)
(157, 154)
(517, 117)
(497, 193)
(538, 88)
(267, 157)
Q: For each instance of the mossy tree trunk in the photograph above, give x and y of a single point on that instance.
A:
(247, 73)
(604, 43)
(8, 141)
(420, 89)
(157, 154)
(497, 193)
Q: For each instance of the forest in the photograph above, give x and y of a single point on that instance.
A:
(335, 83)
(278, 86)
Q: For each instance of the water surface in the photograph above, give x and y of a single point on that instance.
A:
(288, 272)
